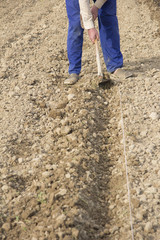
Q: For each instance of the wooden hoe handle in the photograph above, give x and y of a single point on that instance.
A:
(98, 59)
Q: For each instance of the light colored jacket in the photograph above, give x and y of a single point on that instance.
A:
(86, 14)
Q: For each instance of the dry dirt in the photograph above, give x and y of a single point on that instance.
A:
(62, 166)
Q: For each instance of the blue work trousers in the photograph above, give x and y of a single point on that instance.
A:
(109, 36)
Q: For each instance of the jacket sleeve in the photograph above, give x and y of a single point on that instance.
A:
(99, 3)
(86, 14)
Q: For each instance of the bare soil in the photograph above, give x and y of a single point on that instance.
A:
(62, 158)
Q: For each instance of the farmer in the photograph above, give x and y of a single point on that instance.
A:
(105, 10)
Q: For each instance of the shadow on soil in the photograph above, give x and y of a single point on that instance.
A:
(92, 202)
(106, 85)
(146, 64)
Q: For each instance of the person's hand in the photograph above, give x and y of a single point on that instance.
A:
(94, 11)
(93, 34)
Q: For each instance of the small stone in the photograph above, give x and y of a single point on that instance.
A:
(131, 147)
(111, 207)
(44, 26)
(88, 175)
(55, 113)
(39, 228)
(144, 133)
(58, 131)
(83, 112)
(151, 190)
(72, 138)
(51, 199)
(42, 104)
(48, 167)
(139, 216)
(120, 124)
(135, 203)
(71, 96)
(59, 233)
(2, 74)
(104, 233)
(59, 220)
(62, 105)
(14, 158)
(106, 103)
(6, 226)
(46, 174)
(75, 232)
(5, 188)
(34, 238)
(17, 89)
(94, 135)
(54, 166)
(139, 236)
(20, 160)
(68, 175)
(154, 162)
(66, 130)
(56, 213)
(65, 121)
(153, 116)
(117, 196)
(114, 229)
(66, 238)
(60, 193)
(99, 97)
(143, 198)
(148, 227)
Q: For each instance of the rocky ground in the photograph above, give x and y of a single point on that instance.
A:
(62, 167)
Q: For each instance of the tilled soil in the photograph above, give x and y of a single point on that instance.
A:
(64, 149)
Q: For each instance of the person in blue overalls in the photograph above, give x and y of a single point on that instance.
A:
(105, 10)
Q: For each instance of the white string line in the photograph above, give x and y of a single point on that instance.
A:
(126, 165)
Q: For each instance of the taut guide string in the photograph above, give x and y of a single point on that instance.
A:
(126, 165)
